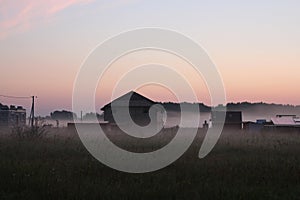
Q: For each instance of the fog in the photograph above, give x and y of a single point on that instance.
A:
(173, 118)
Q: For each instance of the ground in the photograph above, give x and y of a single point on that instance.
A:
(241, 166)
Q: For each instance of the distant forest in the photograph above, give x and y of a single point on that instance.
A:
(260, 106)
(251, 111)
(264, 109)
(243, 106)
(169, 106)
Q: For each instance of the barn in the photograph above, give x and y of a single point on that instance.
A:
(139, 107)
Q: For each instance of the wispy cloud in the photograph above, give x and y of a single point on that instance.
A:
(20, 15)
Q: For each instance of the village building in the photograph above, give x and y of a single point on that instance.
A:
(233, 119)
(256, 127)
(284, 123)
(139, 109)
(12, 116)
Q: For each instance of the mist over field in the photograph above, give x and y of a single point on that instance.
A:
(249, 113)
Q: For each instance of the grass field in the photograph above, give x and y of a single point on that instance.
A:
(241, 166)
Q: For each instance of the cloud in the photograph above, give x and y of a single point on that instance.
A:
(20, 15)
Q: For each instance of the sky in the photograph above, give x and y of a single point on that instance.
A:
(254, 44)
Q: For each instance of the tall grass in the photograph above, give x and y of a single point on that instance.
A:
(28, 132)
(241, 166)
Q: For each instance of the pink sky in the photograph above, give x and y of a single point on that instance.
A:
(43, 44)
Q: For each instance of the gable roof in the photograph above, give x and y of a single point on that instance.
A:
(136, 100)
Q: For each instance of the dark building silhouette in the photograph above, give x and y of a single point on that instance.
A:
(233, 119)
(12, 116)
(139, 107)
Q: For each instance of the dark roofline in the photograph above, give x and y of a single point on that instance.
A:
(133, 93)
(11, 107)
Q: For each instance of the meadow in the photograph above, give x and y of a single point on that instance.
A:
(241, 166)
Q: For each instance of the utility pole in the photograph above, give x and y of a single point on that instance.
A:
(31, 118)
